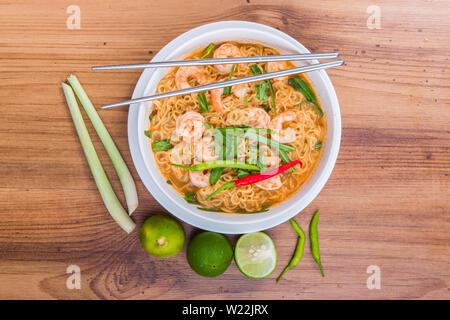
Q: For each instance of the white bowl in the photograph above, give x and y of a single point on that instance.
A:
(145, 162)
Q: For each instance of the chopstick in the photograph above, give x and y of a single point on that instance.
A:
(204, 62)
(227, 83)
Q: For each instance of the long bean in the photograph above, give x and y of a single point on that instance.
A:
(219, 164)
(298, 254)
(314, 238)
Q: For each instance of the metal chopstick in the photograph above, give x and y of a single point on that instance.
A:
(203, 62)
(227, 83)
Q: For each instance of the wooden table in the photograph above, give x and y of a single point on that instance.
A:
(386, 204)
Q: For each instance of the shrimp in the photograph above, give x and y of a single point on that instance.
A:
(273, 66)
(204, 150)
(226, 50)
(181, 153)
(240, 90)
(270, 184)
(200, 178)
(216, 96)
(190, 126)
(216, 100)
(258, 118)
(276, 124)
(184, 73)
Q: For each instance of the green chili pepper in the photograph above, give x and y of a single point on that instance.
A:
(208, 50)
(298, 253)
(219, 164)
(314, 238)
(161, 145)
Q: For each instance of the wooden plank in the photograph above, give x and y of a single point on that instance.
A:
(386, 203)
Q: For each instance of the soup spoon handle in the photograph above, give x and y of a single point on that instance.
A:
(233, 82)
(205, 62)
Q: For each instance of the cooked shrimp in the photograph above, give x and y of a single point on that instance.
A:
(270, 184)
(283, 135)
(181, 153)
(185, 73)
(258, 118)
(273, 66)
(204, 150)
(190, 126)
(216, 100)
(240, 90)
(226, 50)
(200, 178)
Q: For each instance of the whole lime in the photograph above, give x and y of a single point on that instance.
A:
(162, 236)
(209, 254)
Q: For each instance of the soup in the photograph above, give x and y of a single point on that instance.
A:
(203, 142)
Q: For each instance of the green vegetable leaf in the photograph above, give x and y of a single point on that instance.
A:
(150, 117)
(161, 145)
(318, 145)
(254, 68)
(191, 198)
(261, 91)
(246, 101)
(315, 107)
(272, 94)
(215, 175)
(227, 90)
(169, 182)
(210, 210)
(298, 84)
(203, 102)
(266, 107)
(148, 133)
(208, 50)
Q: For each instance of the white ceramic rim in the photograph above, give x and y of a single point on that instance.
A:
(219, 222)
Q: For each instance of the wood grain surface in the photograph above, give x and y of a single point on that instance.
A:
(387, 202)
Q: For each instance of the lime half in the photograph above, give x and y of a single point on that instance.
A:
(255, 255)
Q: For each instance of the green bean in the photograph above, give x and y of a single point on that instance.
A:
(314, 238)
(251, 135)
(219, 164)
(298, 253)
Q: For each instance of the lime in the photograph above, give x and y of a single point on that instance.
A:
(209, 254)
(255, 255)
(162, 236)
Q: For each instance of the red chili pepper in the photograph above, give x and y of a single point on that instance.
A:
(253, 178)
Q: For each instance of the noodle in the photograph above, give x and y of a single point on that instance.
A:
(310, 129)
